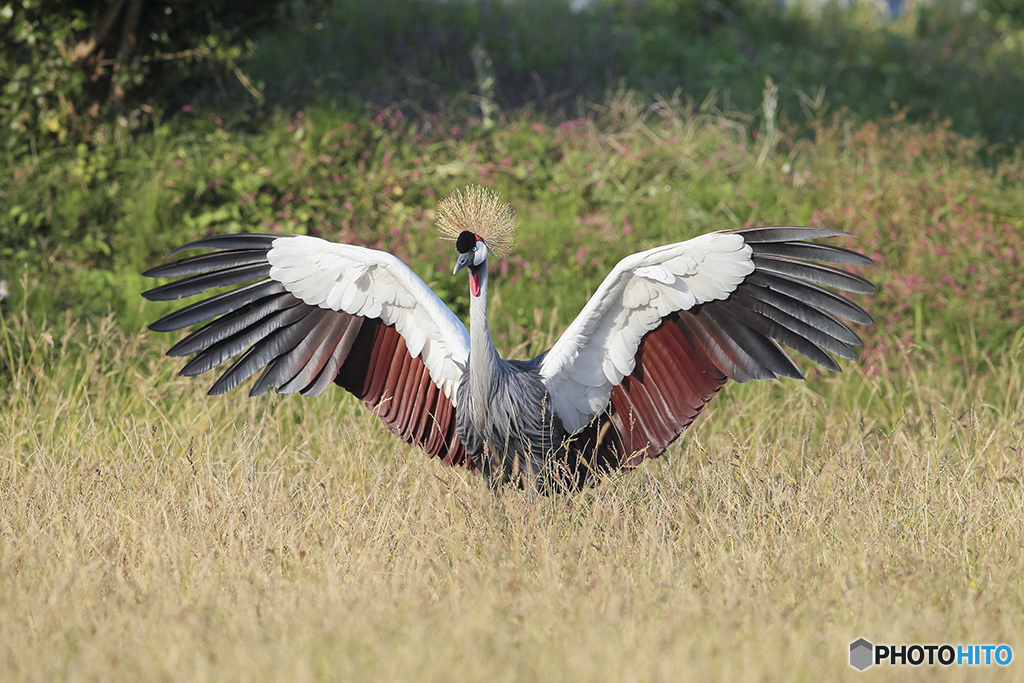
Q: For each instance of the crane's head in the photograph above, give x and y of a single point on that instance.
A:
(479, 221)
(472, 254)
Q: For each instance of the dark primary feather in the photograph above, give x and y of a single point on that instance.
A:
(228, 346)
(819, 298)
(813, 272)
(771, 330)
(306, 358)
(815, 252)
(773, 300)
(282, 340)
(197, 284)
(750, 354)
(781, 233)
(744, 298)
(800, 313)
(231, 242)
(230, 323)
(201, 311)
(204, 263)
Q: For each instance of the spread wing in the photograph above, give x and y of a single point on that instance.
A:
(669, 326)
(311, 312)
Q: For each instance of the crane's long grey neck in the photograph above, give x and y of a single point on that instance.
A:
(484, 361)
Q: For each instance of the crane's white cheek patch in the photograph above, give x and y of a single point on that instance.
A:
(474, 282)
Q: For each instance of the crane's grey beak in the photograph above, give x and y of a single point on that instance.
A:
(464, 260)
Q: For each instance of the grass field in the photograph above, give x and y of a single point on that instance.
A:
(149, 532)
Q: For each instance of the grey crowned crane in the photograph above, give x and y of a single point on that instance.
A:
(661, 335)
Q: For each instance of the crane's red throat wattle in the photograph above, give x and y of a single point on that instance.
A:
(474, 281)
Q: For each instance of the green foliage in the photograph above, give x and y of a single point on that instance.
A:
(39, 83)
(89, 70)
(1007, 12)
(936, 59)
(944, 227)
(940, 212)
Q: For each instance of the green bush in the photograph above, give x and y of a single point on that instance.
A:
(70, 66)
(40, 87)
(934, 60)
(943, 226)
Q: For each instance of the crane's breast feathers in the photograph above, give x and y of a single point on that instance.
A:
(375, 284)
(744, 289)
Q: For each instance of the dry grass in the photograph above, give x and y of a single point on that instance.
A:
(150, 533)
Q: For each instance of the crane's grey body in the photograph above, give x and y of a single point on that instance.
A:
(506, 422)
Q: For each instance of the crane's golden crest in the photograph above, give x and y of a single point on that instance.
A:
(482, 212)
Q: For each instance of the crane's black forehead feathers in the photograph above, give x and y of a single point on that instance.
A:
(466, 242)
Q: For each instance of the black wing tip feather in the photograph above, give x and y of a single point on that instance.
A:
(822, 299)
(812, 251)
(208, 262)
(243, 240)
(155, 271)
(786, 233)
(197, 284)
(207, 309)
(812, 271)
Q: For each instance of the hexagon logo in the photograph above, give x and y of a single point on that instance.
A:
(861, 654)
